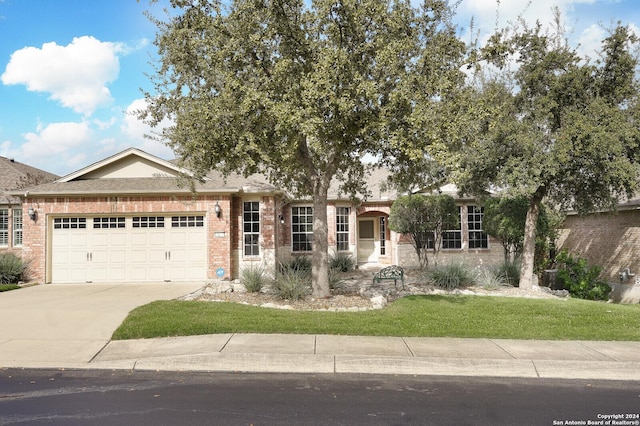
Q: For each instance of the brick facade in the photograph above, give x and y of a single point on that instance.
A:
(610, 240)
(37, 234)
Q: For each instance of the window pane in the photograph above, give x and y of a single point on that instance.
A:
(301, 228)
(452, 238)
(4, 227)
(251, 228)
(342, 228)
(477, 238)
(17, 227)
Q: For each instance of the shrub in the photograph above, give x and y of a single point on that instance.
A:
(342, 262)
(13, 268)
(335, 278)
(510, 271)
(491, 279)
(292, 284)
(296, 263)
(581, 279)
(451, 276)
(253, 278)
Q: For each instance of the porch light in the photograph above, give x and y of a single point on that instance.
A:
(217, 209)
(281, 219)
(33, 214)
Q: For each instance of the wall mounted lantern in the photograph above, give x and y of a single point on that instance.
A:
(281, 219)
(217, 209)
(33, 214)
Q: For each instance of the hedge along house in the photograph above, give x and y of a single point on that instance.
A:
(127, 219)
(14, 176)
(611, 240)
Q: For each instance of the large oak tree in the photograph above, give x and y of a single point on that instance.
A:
(555, 126)
(298, 90)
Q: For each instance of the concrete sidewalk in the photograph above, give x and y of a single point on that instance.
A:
(368, 355)
(70, 326)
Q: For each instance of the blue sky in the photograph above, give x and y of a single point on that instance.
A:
(71, 69)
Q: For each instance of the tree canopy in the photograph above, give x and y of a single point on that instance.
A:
(424, 218)
(504, 218)
(301, 91)
(554, 126)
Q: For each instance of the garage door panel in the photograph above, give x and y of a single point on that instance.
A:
(157, 238)
(113, 250)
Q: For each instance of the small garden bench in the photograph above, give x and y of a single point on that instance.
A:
(393, 272)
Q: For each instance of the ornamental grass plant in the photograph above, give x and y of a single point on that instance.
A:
(253, 278)
(13, 268)
(450, 276)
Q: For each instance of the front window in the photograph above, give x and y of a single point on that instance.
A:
(17, 227)
(251, 228)
(4, 227)
(477, 238)
(452, 238)
(301, 228)
(342, 228)
(383, 236)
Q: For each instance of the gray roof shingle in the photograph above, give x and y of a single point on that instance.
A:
(15, 175)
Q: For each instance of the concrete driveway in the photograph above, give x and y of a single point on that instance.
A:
(70, 323)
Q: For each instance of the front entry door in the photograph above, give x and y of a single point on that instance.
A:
(366, 241)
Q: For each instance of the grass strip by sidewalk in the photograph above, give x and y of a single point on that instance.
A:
(426, 316)
(8, 287)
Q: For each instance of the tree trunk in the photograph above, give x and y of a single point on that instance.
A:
(320, 254)
(529, 246)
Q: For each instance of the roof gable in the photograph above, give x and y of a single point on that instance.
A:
(129, 164)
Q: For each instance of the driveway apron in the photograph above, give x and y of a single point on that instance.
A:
(70, 323)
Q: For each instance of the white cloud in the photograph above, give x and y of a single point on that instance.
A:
(76, 75)
(56, 138)
(590, 41)
(136, 130)
(490, 15)
(56, 147)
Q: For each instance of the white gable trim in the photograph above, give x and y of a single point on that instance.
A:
(117, 157)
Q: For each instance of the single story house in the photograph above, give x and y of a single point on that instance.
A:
(13, 176)
(126, 218)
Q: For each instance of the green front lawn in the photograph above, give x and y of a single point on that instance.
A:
(451, 316)
(7, 287)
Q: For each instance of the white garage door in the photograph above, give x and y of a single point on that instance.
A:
(127, 249)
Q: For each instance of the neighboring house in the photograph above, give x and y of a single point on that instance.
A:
(126, 219)
(13, 176)
(610, 240)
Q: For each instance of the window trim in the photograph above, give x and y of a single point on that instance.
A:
(187, 221)
(147, 222)
(307, 233)
(343, 215)
(251, 248)
(382, 224)
(453, 235)
(483, 241)
(109, 222)
(4, 227)
(70, 222)
(17, 222)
